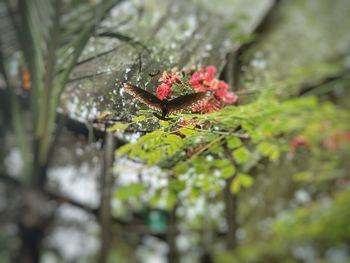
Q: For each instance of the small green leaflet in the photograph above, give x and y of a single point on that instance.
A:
(132, 190)
(164, 124)
(187, 132)
(139, 118)
(227, 171)
(269, 150)
(120, 127)
(241, 180)
(241, 155)
(233, 142)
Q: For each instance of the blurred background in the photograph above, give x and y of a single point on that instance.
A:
(282, 190)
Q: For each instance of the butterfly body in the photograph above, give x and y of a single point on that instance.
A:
(165, 107)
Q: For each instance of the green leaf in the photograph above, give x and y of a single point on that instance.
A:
(241, 180)
(233, 142)
(123, 149)
(118, 127)
(181, 168)
(164, 124)
(132, 190)
(155, 134)
(235, 185)
(187, 132)
(269, 150)
(170, 200)
(267, 128)
(245, 179)
(201, 168)
(241, 155)
(303, 176)
(139, 118)
(227, 172)
(155, 199)
(173, 139)
(264, 148)
(154, 156)
(221, 163)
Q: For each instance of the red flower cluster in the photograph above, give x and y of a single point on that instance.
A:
(199, 81)
(170, 79)
(167, 81)
(205, 81)
(163, 91)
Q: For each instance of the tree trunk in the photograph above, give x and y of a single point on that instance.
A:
(173, 256)
(106, 185)
(231, 215)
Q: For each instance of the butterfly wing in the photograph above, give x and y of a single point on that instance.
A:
(143, 96)
(186, 102)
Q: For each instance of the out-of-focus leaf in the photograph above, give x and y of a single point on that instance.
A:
(241, 180)
(233, 142)
(138, 118)
(241, 155)
(132, 190)
(120, 127)
(187, 132)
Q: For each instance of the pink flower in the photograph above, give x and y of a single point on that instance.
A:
(225, 96)
(205, 81)
(230, 97)
(170, 79)
(163, 91)
(210, 73)
(221, 92)
(201, 80)
(219, 85)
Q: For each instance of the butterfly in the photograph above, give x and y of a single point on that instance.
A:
(165, 107)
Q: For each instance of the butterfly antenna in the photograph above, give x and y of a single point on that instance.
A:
(153, 74)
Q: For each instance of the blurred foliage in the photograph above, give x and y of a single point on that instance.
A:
(322, 228)
(325, 221)
(50, 36)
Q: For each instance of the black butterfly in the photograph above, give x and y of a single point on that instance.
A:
(165, 107)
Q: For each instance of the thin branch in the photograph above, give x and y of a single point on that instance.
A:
(124, 38)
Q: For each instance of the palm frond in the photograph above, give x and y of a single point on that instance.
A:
(47, 30)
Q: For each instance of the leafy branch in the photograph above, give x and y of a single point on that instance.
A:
(252, 133)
